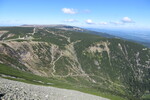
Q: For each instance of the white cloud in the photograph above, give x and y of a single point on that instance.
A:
(123, 21)
(89, 21)
(70, 20)
(116, 23)
(103, 23)
(69, 10)
(127, 20)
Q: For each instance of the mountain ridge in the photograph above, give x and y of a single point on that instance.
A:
(82, 59)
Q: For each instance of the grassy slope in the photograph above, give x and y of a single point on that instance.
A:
(146, 97)
(60, 83)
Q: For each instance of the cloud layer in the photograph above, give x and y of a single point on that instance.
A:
(127, 20)
(70, 20)
(116, 23)
(69, 10)
(89, 21)
(103, 23)
(123, 21)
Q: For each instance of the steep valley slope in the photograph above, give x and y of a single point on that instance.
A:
(75, 60)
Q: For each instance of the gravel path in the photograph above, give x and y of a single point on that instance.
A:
(13, 90)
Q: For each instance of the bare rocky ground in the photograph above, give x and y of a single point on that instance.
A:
(13, 90)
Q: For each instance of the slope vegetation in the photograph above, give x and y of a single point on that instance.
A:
(108, 67)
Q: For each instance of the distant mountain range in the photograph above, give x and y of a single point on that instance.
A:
(142, 37)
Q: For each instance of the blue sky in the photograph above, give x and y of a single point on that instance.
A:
(123, 14)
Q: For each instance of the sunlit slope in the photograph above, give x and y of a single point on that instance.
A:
(83, 60)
